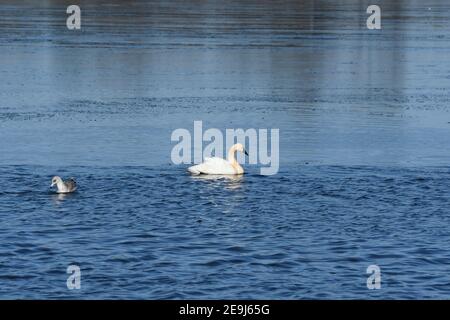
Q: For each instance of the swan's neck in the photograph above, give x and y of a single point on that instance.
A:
(232, 156)
(232, 160)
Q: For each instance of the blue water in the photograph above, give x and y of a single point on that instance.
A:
(364, 128)
(309, 232)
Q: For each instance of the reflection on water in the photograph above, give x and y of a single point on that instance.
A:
(222, 183)
(58, 198)
(339, 93)
(229, 181)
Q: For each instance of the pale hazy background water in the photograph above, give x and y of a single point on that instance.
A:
(364, 143)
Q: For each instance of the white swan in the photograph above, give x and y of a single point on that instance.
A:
(64, 186)
(221, 166)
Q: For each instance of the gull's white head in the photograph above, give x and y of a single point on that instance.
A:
(55, 180)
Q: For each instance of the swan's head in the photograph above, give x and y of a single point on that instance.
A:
(240, 147)
(55, 180)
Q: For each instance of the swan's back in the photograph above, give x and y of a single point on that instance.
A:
(213, 166)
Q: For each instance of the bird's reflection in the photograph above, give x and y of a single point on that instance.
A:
(232, 182)
(58, 198)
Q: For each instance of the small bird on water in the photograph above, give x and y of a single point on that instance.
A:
(64, 186)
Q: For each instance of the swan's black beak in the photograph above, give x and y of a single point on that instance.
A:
(245, 152)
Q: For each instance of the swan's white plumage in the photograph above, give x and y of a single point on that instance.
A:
(213, 166)
(220, 166)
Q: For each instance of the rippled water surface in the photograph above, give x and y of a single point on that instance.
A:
(309, 232)
(364, 149)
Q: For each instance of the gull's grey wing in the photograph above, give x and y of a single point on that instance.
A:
(71, 184)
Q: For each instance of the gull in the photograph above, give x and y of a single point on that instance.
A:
(64, 186)
(221, 166)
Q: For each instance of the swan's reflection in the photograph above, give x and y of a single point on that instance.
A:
(231, 181)
(226, 177)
